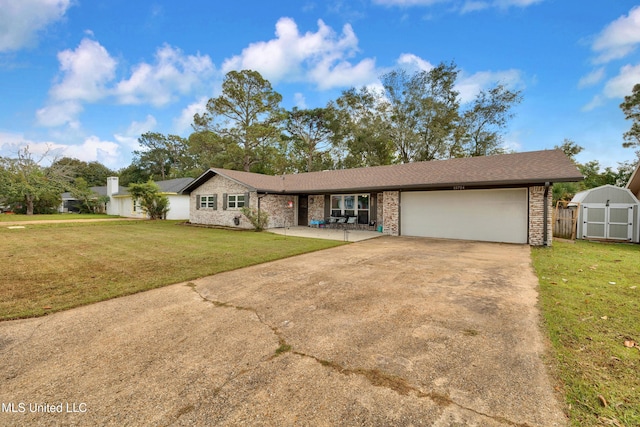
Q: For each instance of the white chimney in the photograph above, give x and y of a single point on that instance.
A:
(112, 185)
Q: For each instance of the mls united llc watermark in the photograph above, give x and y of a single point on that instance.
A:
(43, 407)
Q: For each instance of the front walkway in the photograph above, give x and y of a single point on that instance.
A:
(326, 233)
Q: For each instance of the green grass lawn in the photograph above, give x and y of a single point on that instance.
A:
(52, 267)
(19, 217)
(589, 295)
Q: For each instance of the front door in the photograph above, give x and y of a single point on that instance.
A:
(303, 210)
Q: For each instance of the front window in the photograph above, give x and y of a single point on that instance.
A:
(235, 201)
(207, 202)
(351, 205)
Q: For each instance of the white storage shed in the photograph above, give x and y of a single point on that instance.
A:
(609, 213)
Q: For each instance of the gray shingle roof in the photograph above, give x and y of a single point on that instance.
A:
(173, 185)
(167, 186)
(536, 167)
(99, 190)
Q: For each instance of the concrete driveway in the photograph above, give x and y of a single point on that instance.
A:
(389, 331)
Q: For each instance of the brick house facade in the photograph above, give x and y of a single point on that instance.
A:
(278, 207)
(374, 196)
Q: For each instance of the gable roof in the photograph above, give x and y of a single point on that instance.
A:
(167, 186)
(536, 167)
(173, 185)
(98, 190)
(620, 195)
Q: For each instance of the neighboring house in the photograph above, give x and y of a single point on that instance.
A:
(496, 198)
(607, 212)
(71, 204)
(634, 182)
(121, 204)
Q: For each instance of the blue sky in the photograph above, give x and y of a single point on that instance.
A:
(87, 77)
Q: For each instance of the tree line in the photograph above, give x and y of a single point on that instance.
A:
(410, 117)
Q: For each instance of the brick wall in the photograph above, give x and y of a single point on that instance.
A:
(280, 214)
(536, 216)
(316, 208)
(391, 213)
(218, 185)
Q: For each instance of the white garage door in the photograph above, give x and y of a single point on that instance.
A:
(488, 215)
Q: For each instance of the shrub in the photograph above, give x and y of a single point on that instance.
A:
(156, 205)
(259, 222)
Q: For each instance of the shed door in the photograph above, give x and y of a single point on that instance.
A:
(499, 215)
(614, 222)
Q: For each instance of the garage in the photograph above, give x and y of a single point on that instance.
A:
(495, 215)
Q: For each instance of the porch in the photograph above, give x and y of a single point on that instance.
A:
(345, 235)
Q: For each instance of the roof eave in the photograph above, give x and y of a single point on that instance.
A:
(439, 185)
(208, 175)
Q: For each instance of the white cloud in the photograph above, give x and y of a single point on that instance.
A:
(594, 103)
(474, 6)
(328, 75)
(85, 72)
(21, 20)
(622, 85)
(515, 3)
(59, 114)
(617, 87)
(91, 149)
(592, 78)
(408, 2)
(512, 141)
(130, 137)
(467, 6)
(320, 57)
(87, 75)
(10, 143)
(300, 100)
(172, 73)
(183, 123)
(84, 75)
(470, 86)
(414, 61)
(619, 38)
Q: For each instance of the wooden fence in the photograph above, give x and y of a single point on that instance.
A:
(564, 220)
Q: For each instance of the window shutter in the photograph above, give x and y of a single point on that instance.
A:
(246, 199)
(197, 202)
(215, 202)
(224, 201)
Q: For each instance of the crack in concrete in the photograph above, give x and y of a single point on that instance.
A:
(401, 386)
(375, 377)
(281, 341)
(14, 343)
